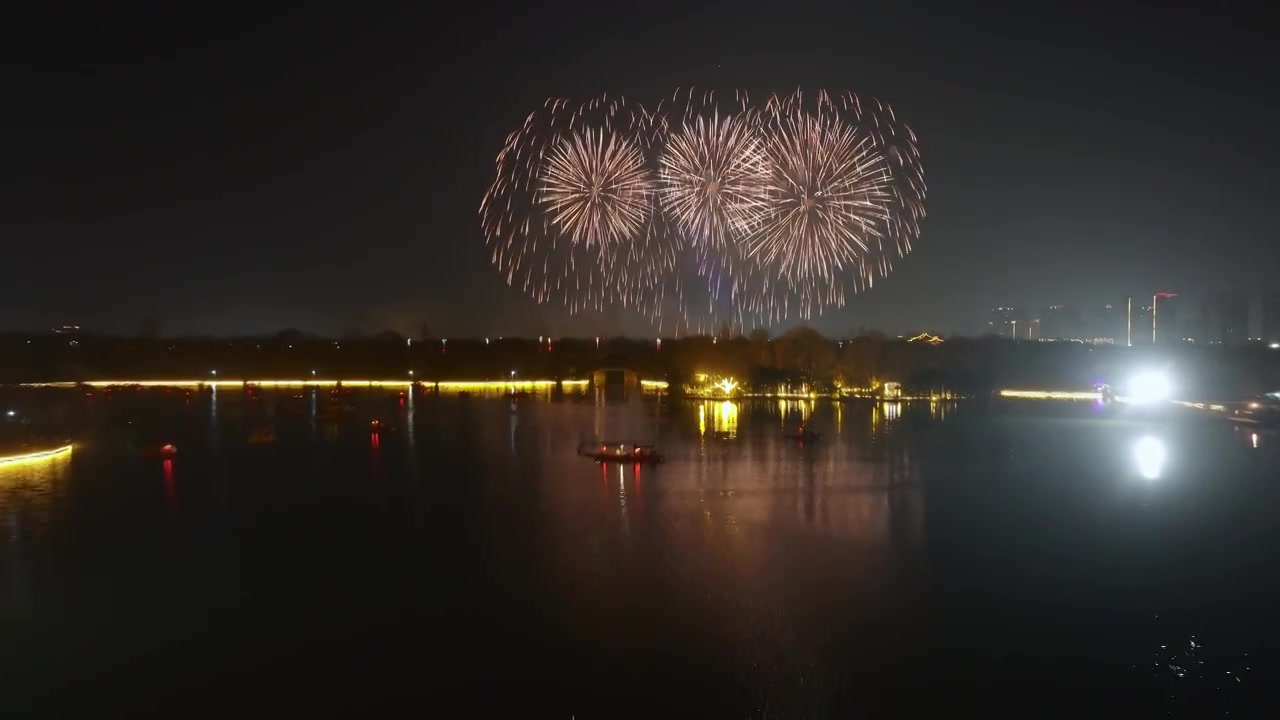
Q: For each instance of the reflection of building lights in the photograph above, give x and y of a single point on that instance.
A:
(726, 418)
(1149, 453)
(32, 457)
(1255, 439)
(892, 410)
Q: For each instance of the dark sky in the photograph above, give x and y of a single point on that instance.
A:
(244, 171)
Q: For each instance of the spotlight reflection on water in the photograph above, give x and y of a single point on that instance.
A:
(1149, 454)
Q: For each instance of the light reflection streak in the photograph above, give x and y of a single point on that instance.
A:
(170, 491)
(892, 411)
(27, 492)
(36, 456)
(622, 501)
(410, 413)
(724, 419)
(213, 417)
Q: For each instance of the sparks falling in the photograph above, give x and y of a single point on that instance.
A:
(699, 214)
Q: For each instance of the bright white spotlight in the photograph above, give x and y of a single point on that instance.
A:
(1150, 386)
(1273, 346)
(1149, 453)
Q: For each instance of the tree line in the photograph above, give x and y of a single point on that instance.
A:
(756, 361)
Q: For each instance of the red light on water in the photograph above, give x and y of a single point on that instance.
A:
(170, 496)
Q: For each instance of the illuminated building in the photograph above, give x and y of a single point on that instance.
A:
(1166, 320)
(1004, 322)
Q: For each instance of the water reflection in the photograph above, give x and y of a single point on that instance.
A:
(843, 486)
(213, 416)
(27, 495)
(170, 489)
(1149, 454)
(765, 563)
(724, 419)
(794, 412)
(312, 413)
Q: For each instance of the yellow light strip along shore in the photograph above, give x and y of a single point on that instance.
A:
(1050, 395)
(460, 384)
(31, 457)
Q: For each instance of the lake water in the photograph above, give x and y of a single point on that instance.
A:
(462, 560)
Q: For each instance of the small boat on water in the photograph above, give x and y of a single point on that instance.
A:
(803, 434)
(620, 452)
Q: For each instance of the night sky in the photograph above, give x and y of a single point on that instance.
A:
(243, 172)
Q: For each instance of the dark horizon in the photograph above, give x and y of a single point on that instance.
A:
(240, 173)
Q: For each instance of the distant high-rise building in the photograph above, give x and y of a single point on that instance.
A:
(1227, 319)
(1271, 317)
(1004, 322)
(1105, 323)
(1139, 324)
(1166, 318)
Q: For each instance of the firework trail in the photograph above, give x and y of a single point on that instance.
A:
(704, 212)
(569, 216)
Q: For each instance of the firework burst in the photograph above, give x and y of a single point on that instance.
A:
(713, 174)
(700, 213)
(569, 216)
(842, 201)
(595, 188)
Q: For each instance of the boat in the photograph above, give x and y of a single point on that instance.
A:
(1262, 410)
(804, 434)
(620, 452)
